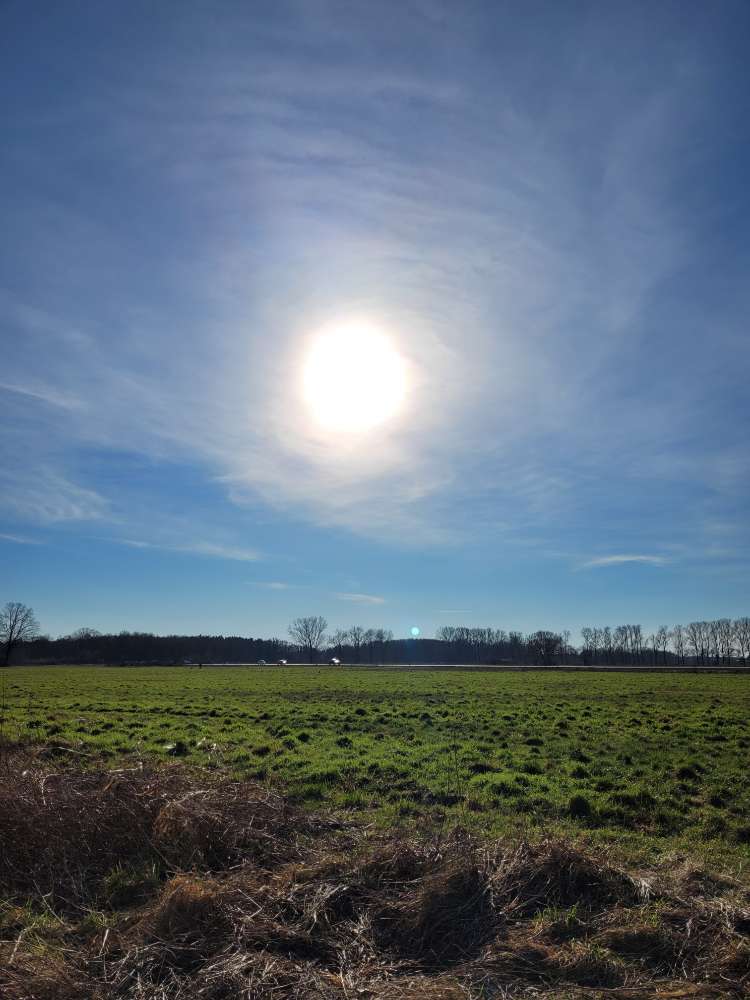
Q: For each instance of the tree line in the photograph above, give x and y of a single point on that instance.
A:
(720, 642)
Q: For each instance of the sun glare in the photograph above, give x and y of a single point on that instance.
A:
(354, 378)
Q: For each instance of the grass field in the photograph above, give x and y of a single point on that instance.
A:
(386, 834)
(650, 760)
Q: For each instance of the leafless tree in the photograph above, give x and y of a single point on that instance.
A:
(83, 633)
(662, 641)
(597, 643)
(382, 637)
(742, 638)
(725, 637)
(368, 643)
(587, 634)
(704, 630)
(714, 643)
(338, 640)
(446, 633)
(565, 645)
(545, 646)
(620, 643)
(515, 646)
(309, 634)
(678, 643)
(695, 634)
(636, 642)
(17, 624)
(356, 636)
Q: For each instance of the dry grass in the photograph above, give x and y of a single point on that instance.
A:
(254, 899)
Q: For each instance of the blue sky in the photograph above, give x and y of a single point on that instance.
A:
(545, 206)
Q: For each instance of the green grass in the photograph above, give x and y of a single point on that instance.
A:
(659, 760)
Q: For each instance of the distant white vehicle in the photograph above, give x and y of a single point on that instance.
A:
(334, 662)
(261, 663)
(281, 663)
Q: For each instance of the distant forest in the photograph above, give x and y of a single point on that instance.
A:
(709, 643)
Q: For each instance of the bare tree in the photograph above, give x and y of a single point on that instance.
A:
(368, 642)
(725, 633)
(678, 643)
(636, 642)
(545, 646)
(587, 634)
(515, 646)
(662, 641)
(338, 640)
(309, 634)
(620, 641)
(17, 624)
(694, 634)
(382, 637)
(565, 644)
(356, 640)
(596, 639)
(83, 633)
(713, 640)
(742, 638)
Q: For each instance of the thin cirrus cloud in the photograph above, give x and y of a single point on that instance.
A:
(42, 495)
(232, 552)
(44, 394)
(20, 539)
(520, 241)
(619, 560)
(360, 598)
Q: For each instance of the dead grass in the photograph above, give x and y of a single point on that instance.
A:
(257, 900)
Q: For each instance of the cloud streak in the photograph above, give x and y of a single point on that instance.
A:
(42, 495)
(360, 598)
(619, 560)
(44, 394)
(20, 539)
(211, 549)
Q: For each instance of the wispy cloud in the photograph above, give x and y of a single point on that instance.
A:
(360, 598)
(44, 394)
(272, 584)
(232, 552)
(20, 539)
(40, 494)
(620, 559)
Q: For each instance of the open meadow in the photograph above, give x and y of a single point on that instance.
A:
(255, 833)
(634, 758)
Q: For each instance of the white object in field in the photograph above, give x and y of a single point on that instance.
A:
(261, 663)
(334, 662)
(281, 663)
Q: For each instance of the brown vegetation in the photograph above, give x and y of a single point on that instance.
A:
(158, 884)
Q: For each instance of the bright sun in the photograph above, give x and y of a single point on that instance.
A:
(353, 378)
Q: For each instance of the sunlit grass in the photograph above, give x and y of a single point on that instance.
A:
(655, 759)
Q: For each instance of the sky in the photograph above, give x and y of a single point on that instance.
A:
(543, 211)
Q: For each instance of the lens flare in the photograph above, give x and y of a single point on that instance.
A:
(415, 632)
(353, 379)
